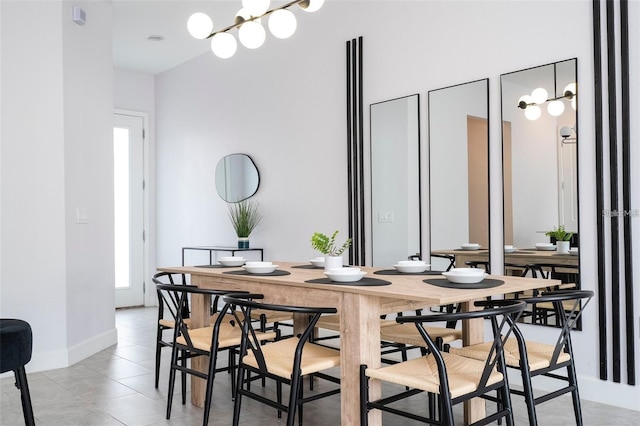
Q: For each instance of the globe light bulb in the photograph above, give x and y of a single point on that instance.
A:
(244, 15)
(282, 23)
(251, 35)
(256, 7)
(539, 95)
(224, 45)
(311, 5)
(574, 103)
(571, 87)
(533, 112)
(524, 101)
(199, 25)
(555, 108)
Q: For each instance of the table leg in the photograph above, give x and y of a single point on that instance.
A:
(472, 333)
(200, 308)
(358, 345)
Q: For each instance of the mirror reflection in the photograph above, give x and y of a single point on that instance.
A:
(395, 179)
(459, 175)
(540, 143)
(237, 178)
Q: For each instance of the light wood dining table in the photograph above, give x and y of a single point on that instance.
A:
(359, 308)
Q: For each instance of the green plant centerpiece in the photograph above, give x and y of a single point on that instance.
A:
(331, 250)
(559, 234)
(244, 217)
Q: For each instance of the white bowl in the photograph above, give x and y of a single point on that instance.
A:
(470, 246)
(411, 268)
(260, 269)
(573, 251)
(333, 275)
(344, 271)
(410, 262)
(509, 249)
(252, 263)
(545, 246)
(467, 272)
(464, 278)
(232, 261)
(318, 262)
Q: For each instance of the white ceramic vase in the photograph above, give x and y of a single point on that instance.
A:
(562, 246)
(332, 262)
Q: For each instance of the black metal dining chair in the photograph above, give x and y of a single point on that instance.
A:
(16, 345)
(453, 378)
(285, 361)
(535, 359)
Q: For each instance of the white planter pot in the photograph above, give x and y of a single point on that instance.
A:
(332, 262)
(563, 246)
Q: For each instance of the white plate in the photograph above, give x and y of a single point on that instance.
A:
(475, 272)
(407, 269)
(262, 269)
(345, 278)
(229, 261)
(318, 263)
(470, 246)
(545, 247)
(510, 250)
(463, 279)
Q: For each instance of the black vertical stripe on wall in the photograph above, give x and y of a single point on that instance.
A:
(599, 144)
(613, 182)
(361, 259)
(355, 151)
(349, 143)
(626, 190)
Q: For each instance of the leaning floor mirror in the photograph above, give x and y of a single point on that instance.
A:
(459, 175)
(540, 176)
(395, 180)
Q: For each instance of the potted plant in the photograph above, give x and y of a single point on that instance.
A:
(562, 238)
(327, 246)
(245, 217)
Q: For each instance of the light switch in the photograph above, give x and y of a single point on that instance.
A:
(385, 217)
(82, 216)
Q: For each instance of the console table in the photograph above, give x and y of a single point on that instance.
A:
(212, 249)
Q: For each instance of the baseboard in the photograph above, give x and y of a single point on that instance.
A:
(51, 360)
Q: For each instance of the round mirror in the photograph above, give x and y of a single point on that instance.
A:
(237, 178)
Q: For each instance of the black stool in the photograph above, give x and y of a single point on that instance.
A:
(16, 343)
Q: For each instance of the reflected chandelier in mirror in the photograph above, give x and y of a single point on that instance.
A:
(540, 174)
(237, 178)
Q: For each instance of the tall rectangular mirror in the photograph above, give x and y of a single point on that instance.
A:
(395, 180)
(459, 175)
(540, 174)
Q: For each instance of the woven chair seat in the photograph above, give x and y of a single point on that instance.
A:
(409, 335)
(279, 358)
(422, 373)
(539, 354)
(228, 336)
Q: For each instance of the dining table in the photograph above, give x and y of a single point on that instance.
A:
(359, 305)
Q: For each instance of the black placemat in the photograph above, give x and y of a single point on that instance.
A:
(443, 282)
(396, 272)
(276, 273)
(307, 267)
(215, 266)
(366, 281)
(478, 249)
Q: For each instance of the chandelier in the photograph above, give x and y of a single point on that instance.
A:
(281, 22)
(539, 96)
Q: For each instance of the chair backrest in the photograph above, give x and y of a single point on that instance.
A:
(499, 312)
(183, 292)
(170, 300)
(567, 318)
(245, 303)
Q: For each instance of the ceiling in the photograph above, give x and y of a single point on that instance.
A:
(135, 20)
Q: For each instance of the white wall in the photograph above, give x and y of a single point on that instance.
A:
(56, 156)
(284, 105)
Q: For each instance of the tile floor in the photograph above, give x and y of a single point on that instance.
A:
(115, 387)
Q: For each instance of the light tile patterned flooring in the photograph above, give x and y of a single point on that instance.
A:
(115, 387)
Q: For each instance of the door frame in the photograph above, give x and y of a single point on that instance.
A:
(148, 296)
